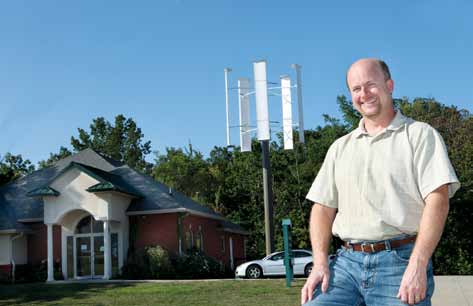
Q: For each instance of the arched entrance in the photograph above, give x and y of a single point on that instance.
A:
(86, 251)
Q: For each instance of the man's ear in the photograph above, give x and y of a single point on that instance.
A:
(390, 84)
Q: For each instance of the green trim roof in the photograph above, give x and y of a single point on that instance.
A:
(108, 182)
(108, 186)
(43, 191)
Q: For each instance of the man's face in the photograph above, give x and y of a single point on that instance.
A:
(370, 91)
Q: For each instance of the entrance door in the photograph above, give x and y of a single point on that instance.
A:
(90, 256)
(84, 256)
(86, 251)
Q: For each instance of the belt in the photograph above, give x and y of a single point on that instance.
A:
(379, 246)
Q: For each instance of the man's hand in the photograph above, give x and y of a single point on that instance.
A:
(414, 281)
(414, 284)
(320, 273)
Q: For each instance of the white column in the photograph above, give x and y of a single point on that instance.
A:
(108, 250)
(232, 263)
(50, 253)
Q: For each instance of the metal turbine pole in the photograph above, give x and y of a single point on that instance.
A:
(268, 198)
(264, 135)
(227, 70)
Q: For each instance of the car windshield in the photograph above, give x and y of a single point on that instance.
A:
(295, 254)
(277, 256)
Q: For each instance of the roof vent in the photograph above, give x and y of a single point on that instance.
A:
(170, 191)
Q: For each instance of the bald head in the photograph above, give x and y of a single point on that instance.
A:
(381, 65)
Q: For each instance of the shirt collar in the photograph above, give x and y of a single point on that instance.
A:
(397, 122)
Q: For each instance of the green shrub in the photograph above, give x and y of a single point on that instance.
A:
(159, 262)
(136, 266)
(148, 263)
(198, 265)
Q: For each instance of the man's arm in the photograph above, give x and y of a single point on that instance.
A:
(321, 220)
(414, 282)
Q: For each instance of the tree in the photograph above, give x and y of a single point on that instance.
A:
(350, 115)
(122, 141)
(455, 251)
(184, 170)
(13, 167)
(54, 157)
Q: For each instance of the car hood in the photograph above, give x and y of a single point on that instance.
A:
(246, 264)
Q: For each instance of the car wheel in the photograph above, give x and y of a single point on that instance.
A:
(307, 269)
(254, 271)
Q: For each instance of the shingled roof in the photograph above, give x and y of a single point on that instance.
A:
(20, 204)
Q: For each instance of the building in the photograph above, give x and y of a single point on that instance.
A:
(83, 212)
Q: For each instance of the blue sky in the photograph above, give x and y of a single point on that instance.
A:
(63, 63)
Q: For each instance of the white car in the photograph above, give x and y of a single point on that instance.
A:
(273, 264)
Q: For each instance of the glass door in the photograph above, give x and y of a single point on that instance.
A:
(83, 256)
(98, 256)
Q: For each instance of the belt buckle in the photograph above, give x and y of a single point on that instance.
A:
(366, 244)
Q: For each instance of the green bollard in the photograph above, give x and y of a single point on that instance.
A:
(288, 254)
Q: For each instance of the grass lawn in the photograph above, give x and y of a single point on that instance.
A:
(271, 292)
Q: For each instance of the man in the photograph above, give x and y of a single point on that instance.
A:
(384, 190)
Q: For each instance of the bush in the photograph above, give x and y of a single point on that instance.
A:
(135, 266)
(159, 262)
(155, 262)
(28, 273)
(198, 265)
(148, 263)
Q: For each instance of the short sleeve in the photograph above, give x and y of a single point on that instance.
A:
(433, 166)
(323, 189)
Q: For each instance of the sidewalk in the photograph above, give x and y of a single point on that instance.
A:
(453, 290)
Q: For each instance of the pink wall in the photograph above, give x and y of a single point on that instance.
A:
(38, 243)
(162, 229)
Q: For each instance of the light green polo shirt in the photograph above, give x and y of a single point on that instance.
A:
(379, 183)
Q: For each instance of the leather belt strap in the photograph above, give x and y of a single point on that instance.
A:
(379, 246)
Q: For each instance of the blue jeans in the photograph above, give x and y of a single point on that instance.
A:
(364, 279)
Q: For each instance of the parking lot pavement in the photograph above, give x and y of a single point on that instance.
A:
(453, 290)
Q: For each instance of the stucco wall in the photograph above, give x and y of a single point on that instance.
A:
(20, 255)
(5, 249)
(72, 186)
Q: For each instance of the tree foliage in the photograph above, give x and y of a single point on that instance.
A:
(122, 141)
(184, 170)
(454, 255)
(13, 167)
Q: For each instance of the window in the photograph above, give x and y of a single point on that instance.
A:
(277, 256)
(188, 241)
(299, 254)
(199, 245)
(245, 246)
(222, 243)
(88, 225)
(70, 257)
(114, 244)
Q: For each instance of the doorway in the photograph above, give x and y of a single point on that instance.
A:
(86, 250)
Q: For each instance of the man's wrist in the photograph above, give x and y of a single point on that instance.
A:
(419, 260)
(320, 258)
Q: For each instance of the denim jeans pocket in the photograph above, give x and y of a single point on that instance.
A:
(402, 254)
